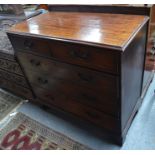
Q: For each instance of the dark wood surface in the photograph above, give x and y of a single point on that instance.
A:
(140, 9)
(64, 72)
(97, 84)
(72, 53)
(73, 81)
(132, 71)
(93, 28)
(79, 109)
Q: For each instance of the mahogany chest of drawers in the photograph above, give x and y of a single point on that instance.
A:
(87, 64)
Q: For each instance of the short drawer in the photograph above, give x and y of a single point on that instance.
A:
(16, 89)
(71, 73)
(85, 112)
(88, 56)
(30, 44)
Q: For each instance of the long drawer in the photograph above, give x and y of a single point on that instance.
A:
(87, 56)
(50, 83)
(77, 108)
(61, 91)
(16, 89)
(71, 73)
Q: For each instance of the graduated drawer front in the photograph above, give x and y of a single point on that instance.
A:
(81, 110)
(83, 55)
(16, 89)
(51, 83)
(71, 73)
(106, 101)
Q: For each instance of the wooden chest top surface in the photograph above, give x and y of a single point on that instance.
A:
(100, 29)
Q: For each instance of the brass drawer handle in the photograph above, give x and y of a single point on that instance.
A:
(42, 81)
(93, 115)
(35, 63)
(85, 77)
(28, 44)
(81, 55)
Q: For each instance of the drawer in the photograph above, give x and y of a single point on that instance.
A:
(87, 56)
(10, 66)
(62, 71)
(76, 108)
(103, 101)
(50, 83)
(30, 44)
(16, 89)
(13, 78)
(78, 54)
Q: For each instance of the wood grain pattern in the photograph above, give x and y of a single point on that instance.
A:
(132, 71)
(77, 108)
(69, 73)
(83, 55)
(79, 95)
(111, 30)
(63, 81)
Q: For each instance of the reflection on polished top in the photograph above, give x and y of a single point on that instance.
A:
(110, 30)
